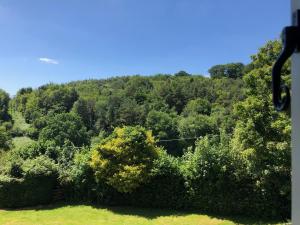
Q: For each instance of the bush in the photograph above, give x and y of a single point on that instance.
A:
(125, 158)
(32, 187)
(20, 192)
(5, 139)
(165, 189)
(78, 180)
(211, 178)
(17, 132)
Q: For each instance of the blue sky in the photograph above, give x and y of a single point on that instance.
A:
(65, 40)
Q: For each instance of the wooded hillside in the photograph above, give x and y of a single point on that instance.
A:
(172, 141)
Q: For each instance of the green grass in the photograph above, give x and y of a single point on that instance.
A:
(89, 215)
(20, 124)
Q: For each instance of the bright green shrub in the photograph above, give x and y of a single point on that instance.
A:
(125, 158)
(165, 189)
(39, 166)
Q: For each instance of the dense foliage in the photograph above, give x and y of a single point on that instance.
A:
(168, 141)
(230, 70)
(125, 158)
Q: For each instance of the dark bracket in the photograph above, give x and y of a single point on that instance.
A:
(291, 44)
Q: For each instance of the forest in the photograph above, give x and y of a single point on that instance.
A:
(176, 141)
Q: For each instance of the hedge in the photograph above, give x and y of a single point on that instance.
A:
(22, 192)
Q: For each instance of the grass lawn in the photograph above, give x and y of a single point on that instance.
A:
(88, 215)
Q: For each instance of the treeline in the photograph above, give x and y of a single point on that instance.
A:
(177, 141)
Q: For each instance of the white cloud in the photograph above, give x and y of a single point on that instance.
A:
(48, 61)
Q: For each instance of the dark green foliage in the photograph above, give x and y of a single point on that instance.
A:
(230, 70)
(166, 188)
(47, 100)
(193, 127)
(4, 102)
(5, 139)
(28, 183)
(197, 106)
(62, 128)
(106, 104)
(130, 113)
(78, 178)
(15, 192)
(182, 74)
(138, 88)
(86, 110)
(174, 94)
(165, 127)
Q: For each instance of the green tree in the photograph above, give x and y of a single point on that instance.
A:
(49, 99)
(86, 110)
(261, 137)
(230, 70)
(193, 127)
(182, 74)
(5, 139)
(130, 113)
(197, 106)
(138, 88)
(4, 103)
(20, 100)
(164, 127)
(173, 93)
(124, 160)
(64, 127)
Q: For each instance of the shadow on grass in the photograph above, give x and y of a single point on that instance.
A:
(152, 213)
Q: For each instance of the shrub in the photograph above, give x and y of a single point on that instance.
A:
(210, 176)
(5, 139)
(166, 188)
(125, 158)
(78, 180)
(33, 187)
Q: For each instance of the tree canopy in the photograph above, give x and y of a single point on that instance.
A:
(178, 141)
(230, 70)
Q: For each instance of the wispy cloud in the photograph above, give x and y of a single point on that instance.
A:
(48, 60)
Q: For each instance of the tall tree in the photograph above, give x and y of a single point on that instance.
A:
(4, 103)
(262, 136)
(230, 70)
(62, 128)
